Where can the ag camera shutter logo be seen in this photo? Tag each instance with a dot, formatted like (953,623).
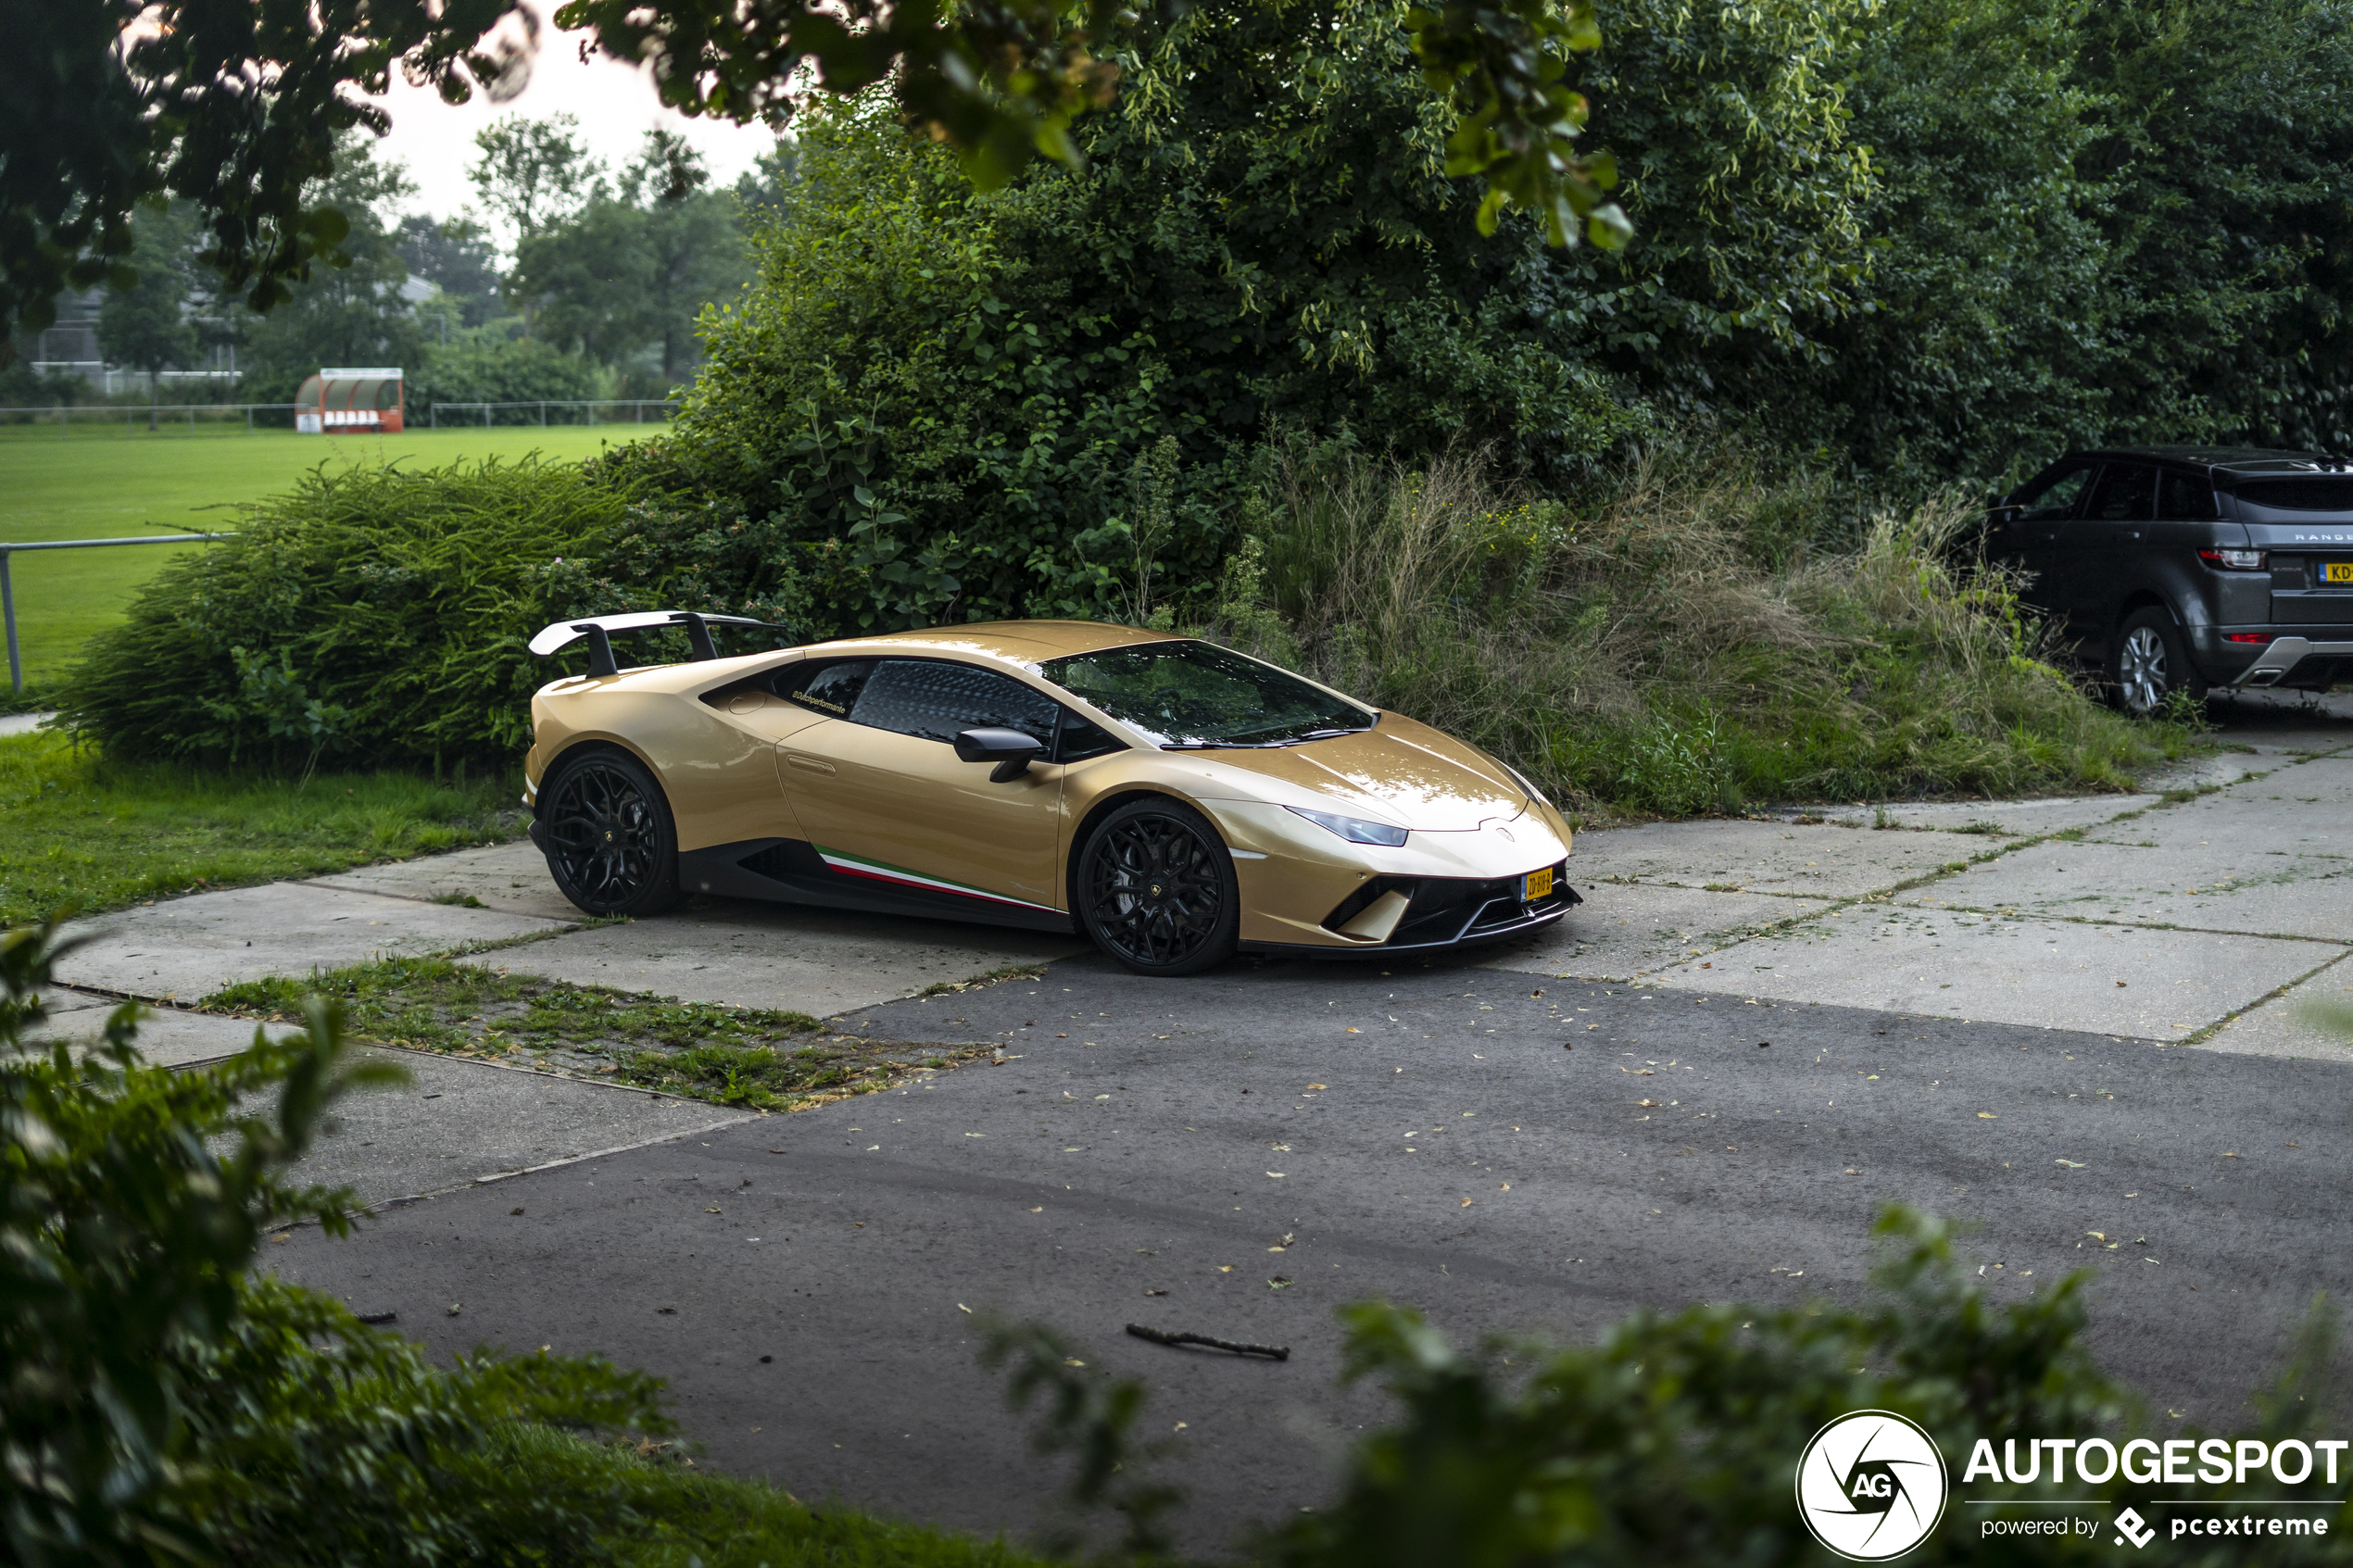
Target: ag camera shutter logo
(1871,1486)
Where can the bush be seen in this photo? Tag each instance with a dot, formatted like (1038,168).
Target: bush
(483,365)
(375,614)
(1697,634)
(156,1402)
(1674,1439)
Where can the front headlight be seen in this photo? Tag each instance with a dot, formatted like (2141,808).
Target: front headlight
(1353,829)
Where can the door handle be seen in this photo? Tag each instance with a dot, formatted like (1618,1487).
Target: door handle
(808,764)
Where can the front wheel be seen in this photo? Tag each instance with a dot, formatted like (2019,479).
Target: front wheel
(2151,666)
(1156,889)
(608,836)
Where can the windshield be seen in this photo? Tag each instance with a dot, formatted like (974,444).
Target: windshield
(1192,694)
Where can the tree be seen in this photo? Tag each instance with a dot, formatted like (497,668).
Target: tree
(768,182)
(453,255)
(237,108)
(990,366)
(351,313)
(534,173)
(148,326)
(639,263)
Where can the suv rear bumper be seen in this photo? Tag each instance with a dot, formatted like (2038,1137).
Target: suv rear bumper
(2293,660)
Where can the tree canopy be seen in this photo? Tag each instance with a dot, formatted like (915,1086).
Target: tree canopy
(237,108)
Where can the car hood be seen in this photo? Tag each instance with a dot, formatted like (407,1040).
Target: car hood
(1399,772)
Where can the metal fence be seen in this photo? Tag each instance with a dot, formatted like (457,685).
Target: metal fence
(523,412)
(87,415)
(280,416)
(9,590)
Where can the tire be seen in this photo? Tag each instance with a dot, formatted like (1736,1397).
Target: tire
(2150,664)
(608,836)
(1155,889)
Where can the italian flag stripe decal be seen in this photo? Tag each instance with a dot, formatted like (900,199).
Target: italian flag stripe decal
(881,871)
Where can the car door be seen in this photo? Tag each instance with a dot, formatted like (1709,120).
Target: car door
(2031,538)
(882,797)
(2099,548)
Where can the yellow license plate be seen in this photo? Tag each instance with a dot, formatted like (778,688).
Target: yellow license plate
(1538,884)
(2336,571)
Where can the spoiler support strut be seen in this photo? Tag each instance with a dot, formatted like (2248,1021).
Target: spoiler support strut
(599,629)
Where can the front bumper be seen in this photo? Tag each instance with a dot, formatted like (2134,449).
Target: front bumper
(2299,661)
(1409,914)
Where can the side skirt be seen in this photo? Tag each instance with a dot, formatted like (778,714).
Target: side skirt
(790,871)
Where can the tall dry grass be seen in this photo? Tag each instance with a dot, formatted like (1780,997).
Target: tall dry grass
(1699,634)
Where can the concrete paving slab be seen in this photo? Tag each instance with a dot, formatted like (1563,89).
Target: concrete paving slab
(2261,815)
(168,1036)
(2280,1028)
(2115,980)
(60,1000)
(783,956)
(455,1122)
(2324,779)
(1768,856)
(184,947)
(1620,932)
(2251,885)
(22,724)
(2008,818)
(512,877)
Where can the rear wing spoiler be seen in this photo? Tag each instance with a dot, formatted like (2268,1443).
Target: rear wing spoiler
(599,629)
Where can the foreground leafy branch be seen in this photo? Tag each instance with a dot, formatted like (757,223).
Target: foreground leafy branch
(237,108)
(159,1404)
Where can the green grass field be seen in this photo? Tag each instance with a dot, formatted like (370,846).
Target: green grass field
(106,483)
(90,835)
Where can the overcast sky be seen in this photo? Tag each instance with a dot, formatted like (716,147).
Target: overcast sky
(614,103)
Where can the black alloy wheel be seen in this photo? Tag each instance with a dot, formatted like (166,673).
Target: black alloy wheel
(609,839)
(1156,889)
(2151,666)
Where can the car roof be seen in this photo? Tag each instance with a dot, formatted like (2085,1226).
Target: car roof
(1021,642)
(2224,460)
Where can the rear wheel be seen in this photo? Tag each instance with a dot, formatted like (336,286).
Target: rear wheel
(2151,664)
(610,841)
(1156,889)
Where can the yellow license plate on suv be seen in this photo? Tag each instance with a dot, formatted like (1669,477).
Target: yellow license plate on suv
(1535,886)
(2336,571)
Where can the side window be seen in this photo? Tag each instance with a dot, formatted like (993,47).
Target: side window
(1082,738)
(2127,492)
(2184,498)
(934,701)
(2056,497)
(830,689)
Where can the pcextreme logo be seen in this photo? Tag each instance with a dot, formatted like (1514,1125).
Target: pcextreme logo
(1871,1486)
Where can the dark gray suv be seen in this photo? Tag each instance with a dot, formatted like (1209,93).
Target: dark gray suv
(2177,569)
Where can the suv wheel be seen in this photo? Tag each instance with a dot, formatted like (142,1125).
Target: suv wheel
(2151,665)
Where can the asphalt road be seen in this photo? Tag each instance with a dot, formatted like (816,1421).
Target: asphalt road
(1421,1135)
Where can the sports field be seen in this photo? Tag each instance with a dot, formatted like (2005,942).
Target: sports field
(111,484)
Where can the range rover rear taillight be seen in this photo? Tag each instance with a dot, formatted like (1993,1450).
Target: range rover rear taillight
(2233,560)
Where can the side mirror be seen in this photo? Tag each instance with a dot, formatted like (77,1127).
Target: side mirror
(1010,750)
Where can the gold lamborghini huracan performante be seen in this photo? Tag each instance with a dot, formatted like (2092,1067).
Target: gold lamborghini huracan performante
(1174,801)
